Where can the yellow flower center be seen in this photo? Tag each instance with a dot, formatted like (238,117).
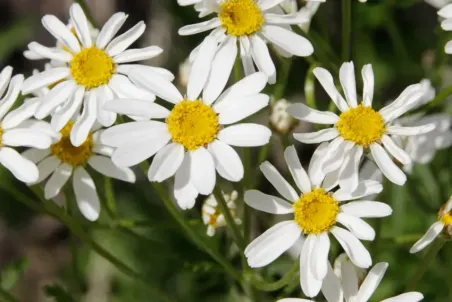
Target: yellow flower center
(447,218)
(241,17)
(362,125)
(193,124)
(67,153)
(316,211)
(1,135)
(92,67)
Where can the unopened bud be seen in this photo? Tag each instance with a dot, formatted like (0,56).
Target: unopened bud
(281,121)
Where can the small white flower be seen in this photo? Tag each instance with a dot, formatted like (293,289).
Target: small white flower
(438,3)
(350,290)
(211,213)
(359,128)
(63,160)
(446,12)
(90,72)
(197,135)
(251,25)
(317,211)
(18,130)
(281,121)
(444,221)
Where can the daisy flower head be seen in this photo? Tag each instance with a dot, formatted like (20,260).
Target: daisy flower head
(446,13)
(248,25)
(211,213)
(62,160)
(91,72)
(196,137)
(444,223)
(359,128)
(348,288)
(318,208)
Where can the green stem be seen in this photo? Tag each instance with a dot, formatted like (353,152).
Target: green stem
(396,38)
(229,219)
(7,296)
(443,95)
(88,14)
(346,29)
(428,259)
(283,77)
(238,73)
(270,287)
(110,198)
(309,87)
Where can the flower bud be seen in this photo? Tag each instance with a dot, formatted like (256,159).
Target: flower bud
(281,121)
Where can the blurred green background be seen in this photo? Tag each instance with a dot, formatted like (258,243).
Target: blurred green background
(40,259)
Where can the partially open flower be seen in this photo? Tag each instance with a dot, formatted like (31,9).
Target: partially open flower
(211,213)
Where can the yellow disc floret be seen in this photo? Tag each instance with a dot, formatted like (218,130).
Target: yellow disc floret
(67,153)
(362,125)
(1,135)
(316,211)
(193,124)
(92,67)
(241,17)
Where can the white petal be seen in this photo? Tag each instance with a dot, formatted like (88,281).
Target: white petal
(317,137)
(50,53)
(5,77)
(222,65)
(124,88)
(63,116)
(428,237)
(338,151)
(296,169)
(121,134)
(262,58)
(267,4)
(184,191)
(22,168)
(387,166)
(315,172)
(24,112)
(57,180)
(294,18)
(406,297)
(446,11)
(140,54)
(158,85)
(11,95)
(135,151)
(304,113)
(280,184)
(250,85)
(137,108)
(110,29)
(364,188)
(162,72)
(60,31)
(267,203)
(372,281)
(326,80)
(86,194)
(358,227)
(227,161)
(398,153)
(348,82)
(83,125)
(247,106)
(367,209)
(122,42)
(368,82)
(200,68)
(26,138)
(332,287)
(105,166)
(353,247)
(272,244)
(166,162)
(350,282)
(80,24)
(294,300)
(199,27)
(202,171)
(405,102)
(309,284)
(410,131)
(36,155)
(288,40)
(46,167)
(245,135)
(104,117)
(350,168)
(321,250)
(57,96)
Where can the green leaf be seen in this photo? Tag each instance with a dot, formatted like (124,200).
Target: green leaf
(58,293)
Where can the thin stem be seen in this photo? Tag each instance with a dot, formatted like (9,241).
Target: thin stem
(428,259)
(229,219)
(346,29)
(110,198)
(270,287)
(396,38)
(88,14)
(443,95)
(309,87)
(283,77)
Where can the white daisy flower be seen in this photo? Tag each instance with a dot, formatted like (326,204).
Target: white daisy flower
(352,291)
(211,213)
(444,222)
(17,130)
(196,137)
(92,72)
(251,25)
(359,128)
(317,211)
(63,160)
(446,13)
